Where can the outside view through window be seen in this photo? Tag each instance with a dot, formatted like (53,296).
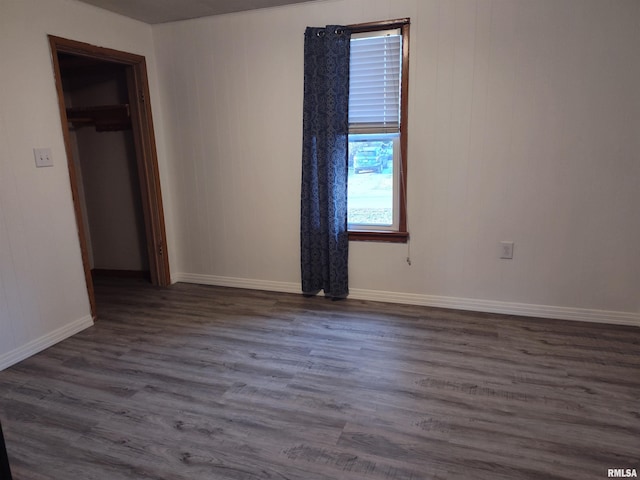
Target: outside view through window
(370,182)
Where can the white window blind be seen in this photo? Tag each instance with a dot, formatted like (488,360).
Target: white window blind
(374,82)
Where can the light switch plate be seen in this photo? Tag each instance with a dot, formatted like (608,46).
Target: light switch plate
(506,250)
(43,157)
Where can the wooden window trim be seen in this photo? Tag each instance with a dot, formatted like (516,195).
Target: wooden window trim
(402,234)
(378,236)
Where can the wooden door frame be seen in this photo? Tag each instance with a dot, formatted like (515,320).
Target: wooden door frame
(146,155)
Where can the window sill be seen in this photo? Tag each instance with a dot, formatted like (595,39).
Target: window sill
(379,236)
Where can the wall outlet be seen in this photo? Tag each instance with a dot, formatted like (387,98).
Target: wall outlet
(43,157)
(506,250)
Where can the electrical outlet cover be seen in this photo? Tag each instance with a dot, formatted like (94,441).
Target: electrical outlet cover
(506,250)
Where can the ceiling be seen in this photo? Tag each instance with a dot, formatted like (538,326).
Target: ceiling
(161,11)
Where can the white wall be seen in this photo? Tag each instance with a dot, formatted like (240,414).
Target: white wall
(113,200)
(524,125)
(42,289)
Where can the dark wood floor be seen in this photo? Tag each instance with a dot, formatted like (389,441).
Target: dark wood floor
(196,382)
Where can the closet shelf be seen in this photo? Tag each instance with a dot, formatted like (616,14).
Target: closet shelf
(105,118)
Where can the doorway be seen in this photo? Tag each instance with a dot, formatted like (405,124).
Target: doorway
(103,95)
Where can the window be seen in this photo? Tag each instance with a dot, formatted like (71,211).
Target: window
(378,88)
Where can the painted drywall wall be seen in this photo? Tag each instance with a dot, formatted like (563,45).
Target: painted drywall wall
(110,183)
(523,125)
(42,289)
(113,200)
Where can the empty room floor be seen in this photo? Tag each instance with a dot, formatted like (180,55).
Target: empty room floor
(197,382)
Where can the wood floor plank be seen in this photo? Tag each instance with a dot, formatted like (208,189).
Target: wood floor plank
(197,382)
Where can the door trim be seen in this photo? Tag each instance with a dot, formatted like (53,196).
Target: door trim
(146,155)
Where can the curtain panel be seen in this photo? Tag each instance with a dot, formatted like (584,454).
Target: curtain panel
(323,223)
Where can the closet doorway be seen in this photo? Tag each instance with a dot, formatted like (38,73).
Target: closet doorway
(103,95)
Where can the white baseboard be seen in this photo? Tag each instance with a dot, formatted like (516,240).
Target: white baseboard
(34,346)
(457,303)
(507,308)
(268,285)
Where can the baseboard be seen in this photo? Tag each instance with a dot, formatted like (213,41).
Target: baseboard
(268,285)
(456,303)
(34,346)
(506,308)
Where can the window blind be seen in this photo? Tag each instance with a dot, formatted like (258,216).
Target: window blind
(374,83)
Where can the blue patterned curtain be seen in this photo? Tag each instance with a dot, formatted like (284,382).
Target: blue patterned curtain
(323,224)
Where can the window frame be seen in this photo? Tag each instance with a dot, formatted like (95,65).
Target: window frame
(401,235)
